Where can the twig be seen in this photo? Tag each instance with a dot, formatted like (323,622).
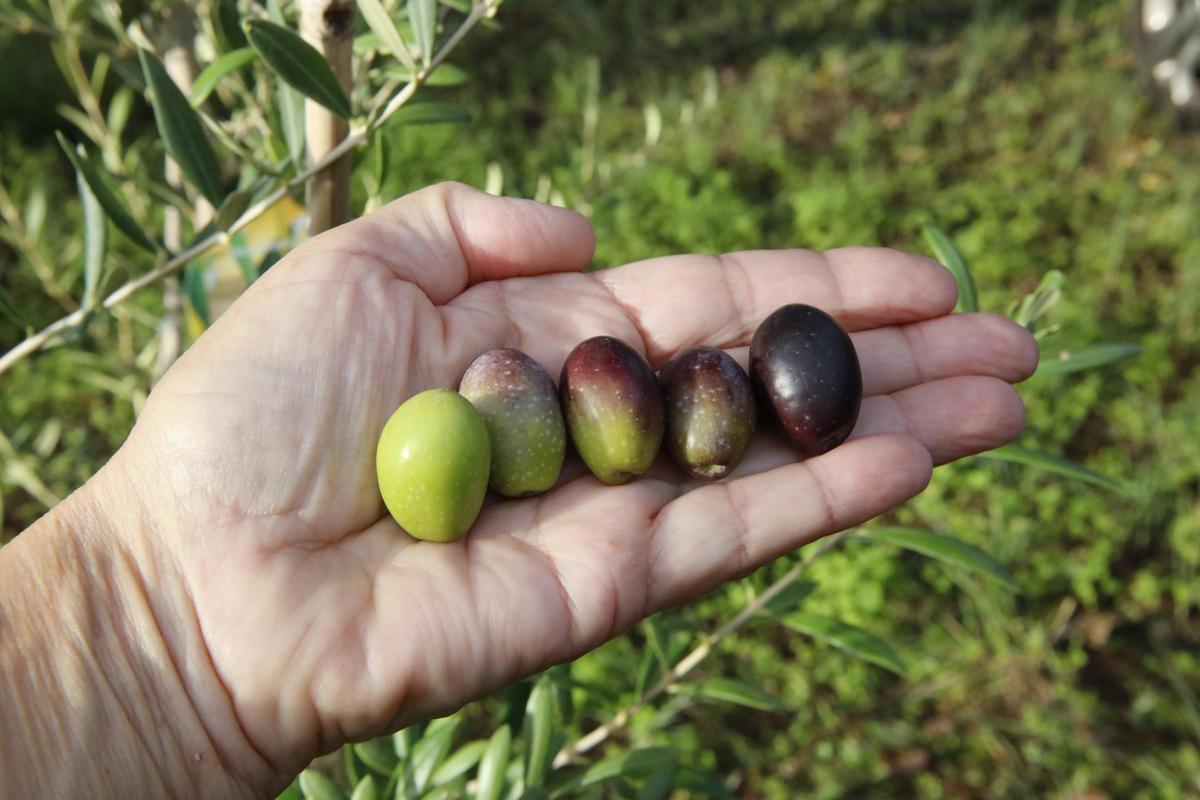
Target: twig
(357,136)
(689,662)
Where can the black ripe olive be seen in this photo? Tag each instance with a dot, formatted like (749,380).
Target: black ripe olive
(806,374)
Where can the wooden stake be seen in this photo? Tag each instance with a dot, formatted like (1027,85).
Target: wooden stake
(328,25)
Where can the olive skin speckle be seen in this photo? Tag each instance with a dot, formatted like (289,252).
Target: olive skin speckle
(519,404)
(806,374)
(613,408)
(710,412)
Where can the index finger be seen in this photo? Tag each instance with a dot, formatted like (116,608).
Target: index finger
(677,301)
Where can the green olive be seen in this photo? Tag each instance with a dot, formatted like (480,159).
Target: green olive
(432,465)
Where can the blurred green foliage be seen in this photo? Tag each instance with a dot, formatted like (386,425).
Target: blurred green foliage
(1022,130)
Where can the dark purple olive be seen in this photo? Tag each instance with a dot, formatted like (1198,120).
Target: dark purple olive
(613,408)
(710,411)
(806,374)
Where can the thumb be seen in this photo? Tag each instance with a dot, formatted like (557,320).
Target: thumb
(449,236)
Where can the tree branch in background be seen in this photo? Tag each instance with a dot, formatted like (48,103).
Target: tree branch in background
(328,25)
(357,136)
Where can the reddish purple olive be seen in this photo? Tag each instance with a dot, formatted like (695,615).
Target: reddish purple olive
(613,408)
(710,411)
(806,374)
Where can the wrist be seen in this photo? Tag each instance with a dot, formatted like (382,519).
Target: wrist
(107,687)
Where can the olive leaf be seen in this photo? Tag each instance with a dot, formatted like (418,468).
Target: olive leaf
(299,65)
(181,130)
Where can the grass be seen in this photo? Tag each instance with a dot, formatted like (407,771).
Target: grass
(1023,131)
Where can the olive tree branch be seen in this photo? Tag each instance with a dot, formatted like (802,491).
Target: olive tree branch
(357,136)
(689,662)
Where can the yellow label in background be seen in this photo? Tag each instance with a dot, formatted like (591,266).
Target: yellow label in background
(227,269)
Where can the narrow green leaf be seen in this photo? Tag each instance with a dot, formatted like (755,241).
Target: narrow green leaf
(493,765)
(234,206)
(698,782)
(461,6)
(292,792)
(423,16)
(1054,464)
(95,242)
(1088,357)
(227,23)
(299,64)
(384,27)
(365,789)
(315,786)
(377,754)
(1041,300)
(403,740)
(275,12)
(946,549)
(458,762)
(658,786)
(431,112)
(208,79)
(728,690)
(181,130)
(945,251)
(539,730)
(447,75)
(350,764)
(35,211)
(845,636)
(631,764)
(196,292)
(428,754)
(108,201)
(291,121)
(118,110)
(790,598)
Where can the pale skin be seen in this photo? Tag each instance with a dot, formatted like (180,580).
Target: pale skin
(227,597)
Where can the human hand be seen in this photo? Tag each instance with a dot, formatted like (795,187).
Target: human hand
(299,615)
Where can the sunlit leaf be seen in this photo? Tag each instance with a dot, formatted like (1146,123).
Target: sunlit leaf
(299,64)
(492,766)
(633,763)
(377,754)
(181,130)
(847,637)
(1087,357)
(365,789)
(728,690)
(422,14)
(459,762)
(947,253)
(315,786)
(430,751)
(945,549)
(208,79)
(118,111)
(95,242)
(108,200)
(539,730)
(383,26)
(1055,464)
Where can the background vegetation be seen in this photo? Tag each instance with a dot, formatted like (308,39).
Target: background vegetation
(1023,131)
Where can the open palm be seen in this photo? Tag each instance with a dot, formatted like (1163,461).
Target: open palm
(322,620)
